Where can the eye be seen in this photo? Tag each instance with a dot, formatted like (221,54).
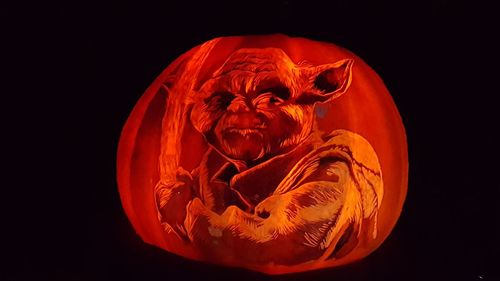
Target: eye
(268,100)
(275,100)
(219,100)
(281,92)
(272,96)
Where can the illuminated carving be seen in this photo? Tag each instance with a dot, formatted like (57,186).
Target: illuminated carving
(247,176)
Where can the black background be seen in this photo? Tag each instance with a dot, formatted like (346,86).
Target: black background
(77,69)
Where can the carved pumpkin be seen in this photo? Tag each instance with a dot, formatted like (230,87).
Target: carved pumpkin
(271,153)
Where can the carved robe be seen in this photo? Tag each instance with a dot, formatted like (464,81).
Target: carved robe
(314,201)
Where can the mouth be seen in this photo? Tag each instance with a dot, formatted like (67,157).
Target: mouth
(243,143)
(245,132)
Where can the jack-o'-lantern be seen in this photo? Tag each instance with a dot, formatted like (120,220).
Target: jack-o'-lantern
(270,153)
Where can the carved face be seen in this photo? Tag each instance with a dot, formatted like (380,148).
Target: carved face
(259,103)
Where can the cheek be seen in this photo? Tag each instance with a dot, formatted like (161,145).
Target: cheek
(219,125)
(283,126)
(204,119)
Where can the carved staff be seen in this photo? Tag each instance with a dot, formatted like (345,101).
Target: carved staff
(179,97)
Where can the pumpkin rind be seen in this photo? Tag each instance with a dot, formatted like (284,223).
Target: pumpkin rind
(366,110)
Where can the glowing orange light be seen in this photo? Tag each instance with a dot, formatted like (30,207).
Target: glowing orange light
(271,153)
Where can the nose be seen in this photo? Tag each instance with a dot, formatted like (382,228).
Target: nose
(242,114)
(245,120)
(239,105)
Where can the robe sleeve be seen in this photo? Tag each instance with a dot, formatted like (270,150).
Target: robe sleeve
(321,204)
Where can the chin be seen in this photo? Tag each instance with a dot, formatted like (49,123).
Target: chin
(243,153)
(242,144)
(244,150)
(246,156)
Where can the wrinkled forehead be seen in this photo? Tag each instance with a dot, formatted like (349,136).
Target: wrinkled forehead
(256,60)
(250,70)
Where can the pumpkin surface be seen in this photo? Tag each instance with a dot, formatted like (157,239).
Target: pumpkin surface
(271,153)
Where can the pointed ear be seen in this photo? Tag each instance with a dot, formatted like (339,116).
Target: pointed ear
(326,82)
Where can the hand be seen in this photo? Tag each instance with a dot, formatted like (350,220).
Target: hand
(172,198)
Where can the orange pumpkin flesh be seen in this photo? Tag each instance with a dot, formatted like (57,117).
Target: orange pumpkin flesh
(364,109)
